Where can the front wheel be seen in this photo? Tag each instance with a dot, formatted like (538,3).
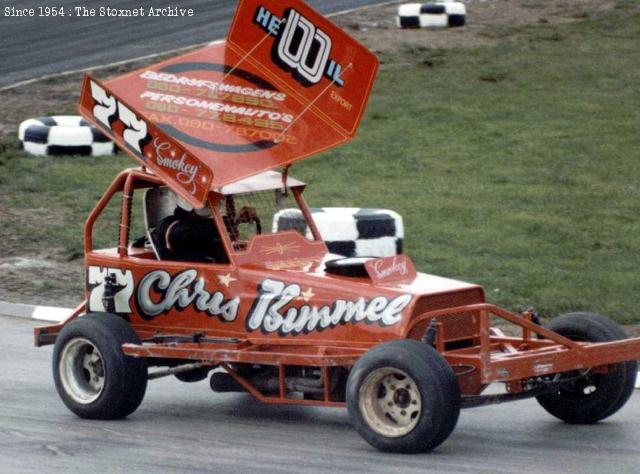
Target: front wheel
(93,377)
(590,397)
(403,397)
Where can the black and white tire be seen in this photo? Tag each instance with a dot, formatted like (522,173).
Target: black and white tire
(63,135)
(349,231)
(593,396)
(403,397)
(431,15)
(92,375)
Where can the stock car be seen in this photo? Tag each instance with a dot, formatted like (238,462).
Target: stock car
(199,283)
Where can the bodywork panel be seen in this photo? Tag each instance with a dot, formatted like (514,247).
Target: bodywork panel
(274,93)
(264,300)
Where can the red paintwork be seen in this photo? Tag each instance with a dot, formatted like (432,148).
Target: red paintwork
(223,301)
(286,257)
(298,121)
(398,268)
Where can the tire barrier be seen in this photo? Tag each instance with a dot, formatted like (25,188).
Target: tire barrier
(432,15)
(348,231)
(63,135)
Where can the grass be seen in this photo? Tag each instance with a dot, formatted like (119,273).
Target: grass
(49,198)
(515,166)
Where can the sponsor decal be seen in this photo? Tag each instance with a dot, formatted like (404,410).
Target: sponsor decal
(159,292)
(226,69)
(217,109)
(216,106)
(214,86)
(300,47)
(280,249)
(383,270)
(292,263)
(268,314)
(387,269)
(146,144)
(121,288)
(108,109)
(344,103)
(166,156)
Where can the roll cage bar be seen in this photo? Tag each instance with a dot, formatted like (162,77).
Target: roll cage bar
(138,178)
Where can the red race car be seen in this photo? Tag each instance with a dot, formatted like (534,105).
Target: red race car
(198,282)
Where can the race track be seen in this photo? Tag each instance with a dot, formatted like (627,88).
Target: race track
(32,47)
(187,428)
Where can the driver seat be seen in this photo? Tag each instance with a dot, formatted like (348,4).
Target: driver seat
(177,234)
(158,203)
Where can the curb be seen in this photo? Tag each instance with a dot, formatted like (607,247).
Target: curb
(52,314)
(55,314)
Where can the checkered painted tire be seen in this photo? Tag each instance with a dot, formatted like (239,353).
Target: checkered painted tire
(350,231)
(432,15)
(63,135)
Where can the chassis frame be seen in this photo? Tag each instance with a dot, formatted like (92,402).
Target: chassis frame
(464,349)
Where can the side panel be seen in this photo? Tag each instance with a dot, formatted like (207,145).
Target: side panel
(455,327)
(308,56)
(248,302)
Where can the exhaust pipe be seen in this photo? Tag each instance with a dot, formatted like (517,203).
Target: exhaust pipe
(222,382)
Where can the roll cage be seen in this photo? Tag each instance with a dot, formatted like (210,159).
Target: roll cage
(220,202)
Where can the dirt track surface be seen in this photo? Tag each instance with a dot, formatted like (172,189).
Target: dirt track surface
(186,428)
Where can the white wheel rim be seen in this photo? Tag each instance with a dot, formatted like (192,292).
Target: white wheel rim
(390,402)
(81,370)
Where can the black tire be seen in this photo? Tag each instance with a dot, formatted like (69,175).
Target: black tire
(351,266)
(114,384)
(612,389)
(435,382)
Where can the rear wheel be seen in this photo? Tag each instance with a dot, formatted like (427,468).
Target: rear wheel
(93,377)
(403,397)
(590,396)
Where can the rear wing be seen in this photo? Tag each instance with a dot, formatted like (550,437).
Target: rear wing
(285,85)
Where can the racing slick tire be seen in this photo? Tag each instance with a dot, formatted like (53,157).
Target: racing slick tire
(92,375)
(403,397)
(599,395)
